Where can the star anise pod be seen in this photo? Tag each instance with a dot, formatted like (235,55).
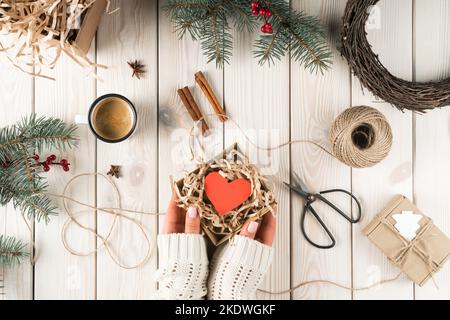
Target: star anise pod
(137,67)
(114,171)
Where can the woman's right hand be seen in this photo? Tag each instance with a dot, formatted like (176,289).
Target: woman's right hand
(262,231)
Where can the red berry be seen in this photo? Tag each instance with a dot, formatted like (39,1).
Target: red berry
(46,168)
(255,4)
(267,28)
(255,11)
(268,13)
(64,162)
(262,12)
(66,168)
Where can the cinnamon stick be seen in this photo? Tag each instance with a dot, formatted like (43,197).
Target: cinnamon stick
(209,93)
(192,107)
(186,104)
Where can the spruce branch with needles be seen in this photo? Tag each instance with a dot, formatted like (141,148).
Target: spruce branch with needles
(12,251)
(210,21)
(21,181)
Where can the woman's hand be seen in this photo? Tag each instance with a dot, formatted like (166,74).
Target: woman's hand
(180,221)
(263,231)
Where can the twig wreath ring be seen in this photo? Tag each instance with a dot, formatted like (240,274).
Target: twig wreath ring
(365,64)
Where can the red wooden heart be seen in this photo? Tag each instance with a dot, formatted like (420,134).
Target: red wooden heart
(226,196)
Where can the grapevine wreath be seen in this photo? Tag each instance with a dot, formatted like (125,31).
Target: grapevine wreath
(366,65)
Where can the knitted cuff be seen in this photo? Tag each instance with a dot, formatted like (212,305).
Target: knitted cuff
(178,247)
(250,253)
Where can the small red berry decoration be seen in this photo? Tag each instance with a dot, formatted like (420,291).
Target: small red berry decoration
(51,161)
(263,10)
(267,28)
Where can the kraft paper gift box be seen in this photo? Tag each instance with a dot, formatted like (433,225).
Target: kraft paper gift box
(89,26)
(418,258)
(82,38)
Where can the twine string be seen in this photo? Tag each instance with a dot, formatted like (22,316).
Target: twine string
(410,247)
(193,133)
(360,137)
(117,213)
(399,260)
(338,285)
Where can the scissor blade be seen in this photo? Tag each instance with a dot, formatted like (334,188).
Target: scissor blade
(303,186)
(299,182)
(297,190)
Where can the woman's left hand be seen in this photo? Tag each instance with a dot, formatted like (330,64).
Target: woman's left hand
(180,221)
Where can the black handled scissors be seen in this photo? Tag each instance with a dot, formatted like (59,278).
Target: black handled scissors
(301,189)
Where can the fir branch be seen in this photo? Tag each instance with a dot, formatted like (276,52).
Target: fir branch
(20,180)
(12,251)
(268,48)
(217,40)
(48,133)
(294,32)
(36,134)
(297,31)
(36,206)
(244,20)
(187,16)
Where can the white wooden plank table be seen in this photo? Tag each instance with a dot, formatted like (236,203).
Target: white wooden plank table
(272,105)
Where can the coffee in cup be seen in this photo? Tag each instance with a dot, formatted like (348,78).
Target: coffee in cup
(112,118)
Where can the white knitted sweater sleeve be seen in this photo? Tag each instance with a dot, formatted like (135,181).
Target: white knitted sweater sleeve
(183,267)
(238,269)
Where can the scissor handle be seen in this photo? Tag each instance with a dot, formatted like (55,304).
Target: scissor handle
(308,208)
(346,216)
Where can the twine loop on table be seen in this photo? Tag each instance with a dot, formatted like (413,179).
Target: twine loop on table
(116,212)
(361,137)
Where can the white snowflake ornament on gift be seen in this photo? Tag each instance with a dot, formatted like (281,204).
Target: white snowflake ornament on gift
(407,224)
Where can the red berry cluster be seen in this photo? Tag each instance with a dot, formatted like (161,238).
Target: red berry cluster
(258,9)
(51,161)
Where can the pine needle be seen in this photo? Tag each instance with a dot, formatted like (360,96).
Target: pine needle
(12,251)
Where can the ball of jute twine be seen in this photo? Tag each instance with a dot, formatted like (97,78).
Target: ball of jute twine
(361,137)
